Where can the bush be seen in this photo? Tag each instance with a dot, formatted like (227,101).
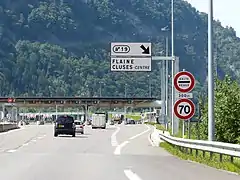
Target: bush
(214,162)
(227,112)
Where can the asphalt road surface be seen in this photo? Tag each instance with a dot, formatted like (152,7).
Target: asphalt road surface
(122,152)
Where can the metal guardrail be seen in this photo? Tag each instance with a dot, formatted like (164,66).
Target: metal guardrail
(232,150)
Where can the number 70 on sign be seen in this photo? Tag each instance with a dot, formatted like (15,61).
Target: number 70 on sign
(184,109)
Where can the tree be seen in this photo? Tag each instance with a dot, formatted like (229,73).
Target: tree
(227,112)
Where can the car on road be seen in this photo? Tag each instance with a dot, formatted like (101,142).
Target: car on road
(129,121)
(79,126)
(40,122)
(65,125)
(111,122)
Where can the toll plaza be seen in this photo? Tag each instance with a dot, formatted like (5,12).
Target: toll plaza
(82,102)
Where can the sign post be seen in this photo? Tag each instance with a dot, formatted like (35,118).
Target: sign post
(131,57)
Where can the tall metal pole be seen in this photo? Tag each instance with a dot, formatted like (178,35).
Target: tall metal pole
(173,98)
(162,70)
(149,86)
(211,121)
(56,110)
(100,89)
(125,90)
(166,78)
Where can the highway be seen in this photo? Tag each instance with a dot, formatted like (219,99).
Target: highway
(120,152)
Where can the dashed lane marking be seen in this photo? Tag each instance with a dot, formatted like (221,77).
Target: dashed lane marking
(131,175)
(25,144)
(119,147)
(12,150)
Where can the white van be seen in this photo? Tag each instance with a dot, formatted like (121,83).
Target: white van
(99,120)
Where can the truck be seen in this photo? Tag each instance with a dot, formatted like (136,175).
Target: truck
(99,120)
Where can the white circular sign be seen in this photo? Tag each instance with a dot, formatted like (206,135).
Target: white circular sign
(184,109)
(184,81)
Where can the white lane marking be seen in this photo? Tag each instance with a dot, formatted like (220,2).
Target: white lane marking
(12,150)
(25,144)
(134,137)
(12,131)
(40,137)
(119,147)
(150,140)
(114,138)
(34,140)
(131,175)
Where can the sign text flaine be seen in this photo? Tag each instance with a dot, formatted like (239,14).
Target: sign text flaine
(131,64)
(128,49)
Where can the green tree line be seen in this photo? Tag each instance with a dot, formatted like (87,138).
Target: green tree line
(58,47)
(226,112)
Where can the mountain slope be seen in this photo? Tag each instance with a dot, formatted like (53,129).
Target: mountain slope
(61,47)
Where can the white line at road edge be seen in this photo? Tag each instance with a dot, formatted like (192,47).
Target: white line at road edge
(131,175)
(12,131)
(134,137)
(11,151)
(150,139)
(114,138)
(119,147)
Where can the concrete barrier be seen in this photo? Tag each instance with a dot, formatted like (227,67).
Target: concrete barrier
(155,136)
(8,126)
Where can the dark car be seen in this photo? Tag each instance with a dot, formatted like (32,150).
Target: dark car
(64,125)
(129,121)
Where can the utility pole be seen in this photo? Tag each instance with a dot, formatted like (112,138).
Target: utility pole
(149,86)
(173,89)
(166,29)
(166,78)
(211,121)
(125,91)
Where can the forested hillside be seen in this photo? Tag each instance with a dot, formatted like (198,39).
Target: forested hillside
(61,47)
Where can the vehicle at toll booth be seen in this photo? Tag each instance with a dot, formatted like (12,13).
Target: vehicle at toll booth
(79,126)
(129,121)
(65,125)
(118,118)
(99,120)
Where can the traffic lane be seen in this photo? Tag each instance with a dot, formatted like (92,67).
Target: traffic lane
(61,167)
(131,131)
(150,162)
(142,145)
(92,141)
(14,139)
(172,168)
(65,158)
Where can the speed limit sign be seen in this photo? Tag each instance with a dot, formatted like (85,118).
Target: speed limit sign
(184,109)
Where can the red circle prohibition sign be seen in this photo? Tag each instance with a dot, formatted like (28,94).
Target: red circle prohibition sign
(190,114)
(192,81)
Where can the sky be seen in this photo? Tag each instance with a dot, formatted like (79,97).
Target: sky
(226,11)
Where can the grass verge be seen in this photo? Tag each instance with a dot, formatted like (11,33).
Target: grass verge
(226,164)
(135,117)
